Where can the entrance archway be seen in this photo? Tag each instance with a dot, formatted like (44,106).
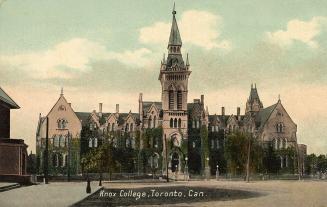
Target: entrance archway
(174,162)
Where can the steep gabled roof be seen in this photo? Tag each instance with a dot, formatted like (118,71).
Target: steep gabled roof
(6,99)
(147,105)
(83,117)
(264,114)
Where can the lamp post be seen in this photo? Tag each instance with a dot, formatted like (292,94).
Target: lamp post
(186,169)
(207,169)
(217,173)
(68,158)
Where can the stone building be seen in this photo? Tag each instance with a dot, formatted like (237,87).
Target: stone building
(169,130)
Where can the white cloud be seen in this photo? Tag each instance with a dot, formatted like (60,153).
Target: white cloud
(75,54)
(200,28)
(297,30)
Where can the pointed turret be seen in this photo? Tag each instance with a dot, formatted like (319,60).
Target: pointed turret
(253,103)
(175,37)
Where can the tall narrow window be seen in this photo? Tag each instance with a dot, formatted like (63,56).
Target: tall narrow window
(150,122)
(171,99)
(175,123)
(90,142)
(131,127)
(154,121)
(179,123)
(171,123)
(108,127)
(179,100)
(112,126)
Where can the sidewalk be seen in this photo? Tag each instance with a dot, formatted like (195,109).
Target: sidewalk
(8,186)
(53,194)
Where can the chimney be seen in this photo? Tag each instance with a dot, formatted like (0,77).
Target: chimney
(238,111)
(117,108)
(100,109)
(141,97)
(223,111)
(202,99)
(141,106)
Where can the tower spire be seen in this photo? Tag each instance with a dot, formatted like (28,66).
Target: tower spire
(187,62)
(175,37)
(62,91)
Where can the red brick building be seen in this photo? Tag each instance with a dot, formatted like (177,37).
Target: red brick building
(13,152)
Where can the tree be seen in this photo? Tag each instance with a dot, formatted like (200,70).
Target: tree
(236,153)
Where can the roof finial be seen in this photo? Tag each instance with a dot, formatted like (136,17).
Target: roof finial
(278,97)
(62,91)
(174,11)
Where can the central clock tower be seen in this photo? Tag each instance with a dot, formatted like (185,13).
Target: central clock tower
(174,75)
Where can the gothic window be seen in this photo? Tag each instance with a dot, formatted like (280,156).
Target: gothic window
(95,142)
(193,124)
(179,123)
(154,121)
(193,144)
(197,124)
(217,128)
(212,128)
(171,99)
(126,127)
(175,123)
(218,146)
(212,143)
(133,143)
(90,142)
(61,141)
(67,141)
(278,143)
(128,143)
(65,160)
(56,141)
(131,128)
(150,122)
(171,123)
(179,100)
(114,141)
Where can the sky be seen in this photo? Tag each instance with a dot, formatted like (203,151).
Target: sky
(109,51)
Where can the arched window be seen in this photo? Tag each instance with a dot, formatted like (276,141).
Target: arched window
(278,143)
(133,143)
(217,128)
(154,121)
(114,141)
(126,127)
(61,141)
(193,124)
(212,128)
(175,123)
(131,127)
(179,100)
(150,122)
(217,141)
(112,126)
(212,143)
(95,142)
(171,99)
(197,124)
(179,123)
(65,160)
(171,123)
(90,142)
(56,141)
